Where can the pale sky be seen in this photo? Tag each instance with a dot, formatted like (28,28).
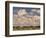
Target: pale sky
(29,11)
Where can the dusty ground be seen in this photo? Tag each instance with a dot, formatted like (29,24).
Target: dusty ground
(26,23)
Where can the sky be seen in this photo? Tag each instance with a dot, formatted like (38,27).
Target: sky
(30,11)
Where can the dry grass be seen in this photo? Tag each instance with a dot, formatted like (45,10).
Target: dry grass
(26,28)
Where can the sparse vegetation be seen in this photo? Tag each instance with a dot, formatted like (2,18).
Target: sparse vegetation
(26,28)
